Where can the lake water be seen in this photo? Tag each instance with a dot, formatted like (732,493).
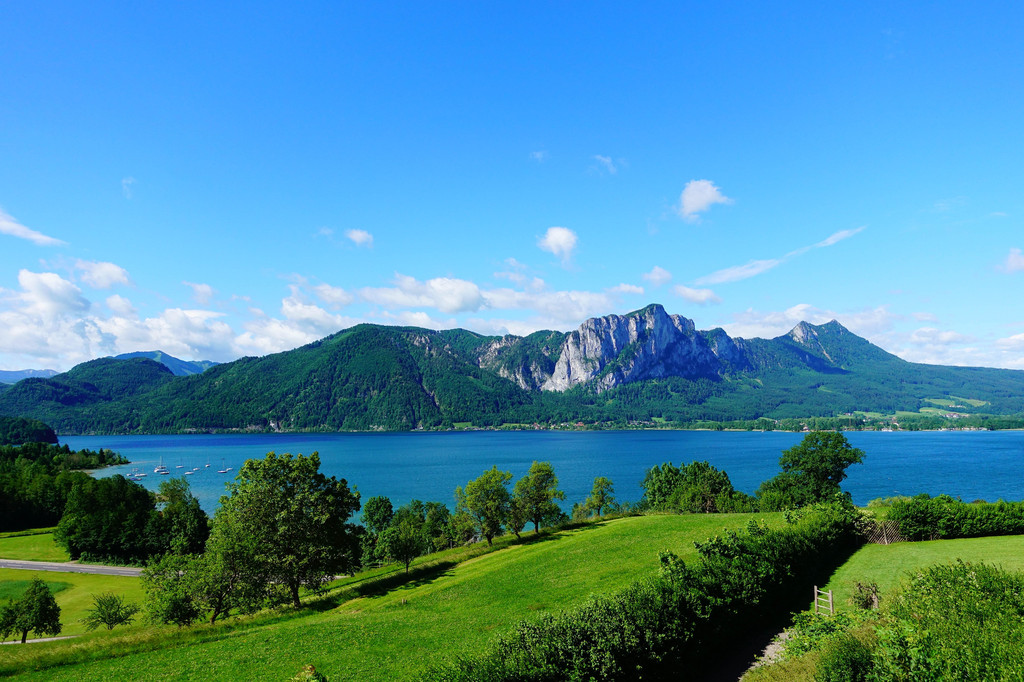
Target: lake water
(972,465)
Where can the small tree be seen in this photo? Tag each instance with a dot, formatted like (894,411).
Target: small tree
(110,610)
(600,496)
(535,493)
(486,500)
(403,541)
(36,611)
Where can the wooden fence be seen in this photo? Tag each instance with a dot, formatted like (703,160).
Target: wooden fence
(885,533)
(823,601)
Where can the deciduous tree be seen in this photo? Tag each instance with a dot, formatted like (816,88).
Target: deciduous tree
(110,610)
(293,520)
(486,499)
(535,494)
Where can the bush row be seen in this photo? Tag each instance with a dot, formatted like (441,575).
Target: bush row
(942,517)
(657,627)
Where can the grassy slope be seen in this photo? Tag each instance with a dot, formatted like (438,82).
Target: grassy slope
(32,548)
(396,635)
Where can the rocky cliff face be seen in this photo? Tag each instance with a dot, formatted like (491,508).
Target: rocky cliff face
(646,344)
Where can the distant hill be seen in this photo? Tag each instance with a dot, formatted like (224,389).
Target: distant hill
(14,376)
(642,366)
(179,368)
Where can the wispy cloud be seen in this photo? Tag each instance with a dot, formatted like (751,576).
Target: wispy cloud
(698,196)
(360,238)
(657,276)
(699,296)
(10,226)
(1014,261)
(202,293)
(626,289)
(540,156)
(736,273)
(606,163)
(127,187)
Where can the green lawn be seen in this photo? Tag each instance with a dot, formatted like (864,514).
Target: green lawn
(396,635)
(887,564)
(76,596)
(39,547)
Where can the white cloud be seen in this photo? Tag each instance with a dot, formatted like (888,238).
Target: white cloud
(869,323)
(126,187)
(935,337)
(360,237)
(202,293)
(540,156)
(838,237)
(1012,342)
(48,295)
(121,306)
(657,276)
(101,275)
(700,296)
(606,163)
(925,317)
(739,272)
(626,289)
(1014,261)
(446,294)
(12,227)
(699,196)
(411,318)
(560,241)
(516,272)
(335,297)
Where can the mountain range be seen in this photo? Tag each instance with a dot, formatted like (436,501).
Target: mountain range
(645,365)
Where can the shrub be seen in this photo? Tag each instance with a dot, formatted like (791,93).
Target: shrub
(844,659)
(656,627)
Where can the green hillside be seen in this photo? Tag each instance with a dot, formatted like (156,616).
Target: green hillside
(394,636)
(372,377)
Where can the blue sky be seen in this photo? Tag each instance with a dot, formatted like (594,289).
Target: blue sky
(239,179)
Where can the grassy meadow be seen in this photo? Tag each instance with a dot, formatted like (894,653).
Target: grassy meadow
(887,566)
(31,547)
(393,635)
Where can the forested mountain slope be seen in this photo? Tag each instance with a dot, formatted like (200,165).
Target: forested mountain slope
(616,368)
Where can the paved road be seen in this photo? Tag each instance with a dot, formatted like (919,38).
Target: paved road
(70,567)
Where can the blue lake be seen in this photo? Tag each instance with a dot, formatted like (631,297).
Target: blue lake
(428,466)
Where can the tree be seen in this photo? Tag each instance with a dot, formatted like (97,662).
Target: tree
(377,513)
(169,598)
(36,611)
(600,496)
(107,519)
(181,526)
(403,541)
(110,610)
(486,500)
(811,471)
(291,521)
(536,492)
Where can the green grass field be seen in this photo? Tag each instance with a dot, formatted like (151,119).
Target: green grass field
(397,634)
(76,596)
(37,547)
(887,565)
